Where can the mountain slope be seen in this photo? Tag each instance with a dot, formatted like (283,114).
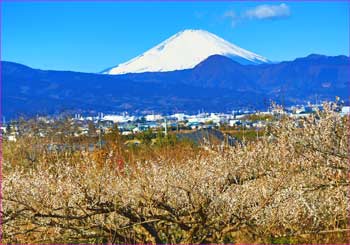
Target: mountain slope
(216,84)
(29,92)
(319,73)
(185,50)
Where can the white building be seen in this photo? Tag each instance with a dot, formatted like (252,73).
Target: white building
(153,117)
(179,116)
(234,122)
(118,118)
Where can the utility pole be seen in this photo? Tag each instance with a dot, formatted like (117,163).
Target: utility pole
(243,132)
(165,127)
(100,137)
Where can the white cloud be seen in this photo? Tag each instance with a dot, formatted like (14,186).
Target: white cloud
(260,12)
(268,12)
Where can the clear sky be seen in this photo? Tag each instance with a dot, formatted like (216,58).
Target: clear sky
(92,36)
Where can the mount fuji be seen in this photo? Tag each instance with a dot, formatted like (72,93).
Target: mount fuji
(185,50)
(193,70)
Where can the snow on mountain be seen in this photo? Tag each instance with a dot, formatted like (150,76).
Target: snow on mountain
(185,50)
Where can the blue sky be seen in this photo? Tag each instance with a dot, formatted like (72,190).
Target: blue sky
(92,36)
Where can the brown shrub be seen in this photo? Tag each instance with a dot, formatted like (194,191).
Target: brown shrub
(289,187)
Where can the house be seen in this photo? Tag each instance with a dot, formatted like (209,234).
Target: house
(138,129)
(234,122)
(193,125)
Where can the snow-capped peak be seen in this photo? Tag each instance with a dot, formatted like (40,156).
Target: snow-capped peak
(185,50)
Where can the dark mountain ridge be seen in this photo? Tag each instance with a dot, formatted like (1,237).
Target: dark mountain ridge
(216,84)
